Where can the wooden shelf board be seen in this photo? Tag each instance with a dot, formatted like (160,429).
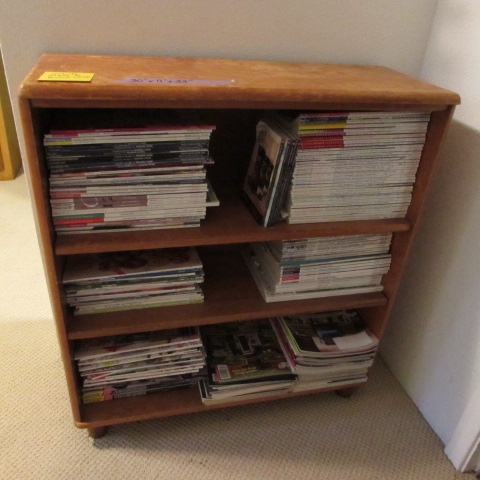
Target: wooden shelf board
(165,404)
(231,222)
(125,322)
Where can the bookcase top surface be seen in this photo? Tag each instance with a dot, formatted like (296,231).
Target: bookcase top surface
(222,83)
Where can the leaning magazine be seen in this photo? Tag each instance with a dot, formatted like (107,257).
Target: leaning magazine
(269,172)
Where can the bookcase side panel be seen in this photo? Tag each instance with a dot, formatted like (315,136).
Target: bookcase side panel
(53,265)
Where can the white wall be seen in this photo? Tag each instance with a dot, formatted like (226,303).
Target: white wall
(434,332)
(433,340)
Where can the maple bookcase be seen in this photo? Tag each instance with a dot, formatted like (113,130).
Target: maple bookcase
(233,95)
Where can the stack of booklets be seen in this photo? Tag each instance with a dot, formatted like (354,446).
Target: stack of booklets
(327,349)
(354,165)
(270,170)
(129,178)
(319,267)
(105,282)
(140,363)
(245,361)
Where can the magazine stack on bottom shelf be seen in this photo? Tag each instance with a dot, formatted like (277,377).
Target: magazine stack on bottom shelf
(354,165)
(245,361)
(267,357)
(327,349)
(137,364)
(319,267)
(149,177)
(127,280)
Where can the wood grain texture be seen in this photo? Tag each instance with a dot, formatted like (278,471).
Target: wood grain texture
(257,84)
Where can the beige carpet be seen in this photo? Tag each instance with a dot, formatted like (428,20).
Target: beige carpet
(377,434)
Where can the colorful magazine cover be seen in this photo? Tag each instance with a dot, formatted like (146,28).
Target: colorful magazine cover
(239,352)
(110,265)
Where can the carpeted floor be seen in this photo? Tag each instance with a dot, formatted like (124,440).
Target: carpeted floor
(376,434)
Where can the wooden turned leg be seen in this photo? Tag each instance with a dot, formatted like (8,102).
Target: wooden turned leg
(346,392)
(97,432)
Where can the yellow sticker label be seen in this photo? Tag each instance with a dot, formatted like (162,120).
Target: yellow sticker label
(66,77)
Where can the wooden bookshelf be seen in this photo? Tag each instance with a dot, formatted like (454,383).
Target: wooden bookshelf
(233,94)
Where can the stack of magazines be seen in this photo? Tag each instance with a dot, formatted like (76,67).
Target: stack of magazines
(105,282)
(245,361)
(319,267)
(354,165)
(150,177)
(327,349)
(141,363)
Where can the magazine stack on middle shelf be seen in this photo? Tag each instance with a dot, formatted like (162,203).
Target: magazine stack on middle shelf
(245,360)
(353,165)
(327,349)
(319,267)
(150,177)
(111,281)
(141,363)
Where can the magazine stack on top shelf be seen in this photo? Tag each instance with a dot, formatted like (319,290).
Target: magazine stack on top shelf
(245,361)
(319,267)
(149,177)
(133,279)
(354,165)
(141,363)
(327,349)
